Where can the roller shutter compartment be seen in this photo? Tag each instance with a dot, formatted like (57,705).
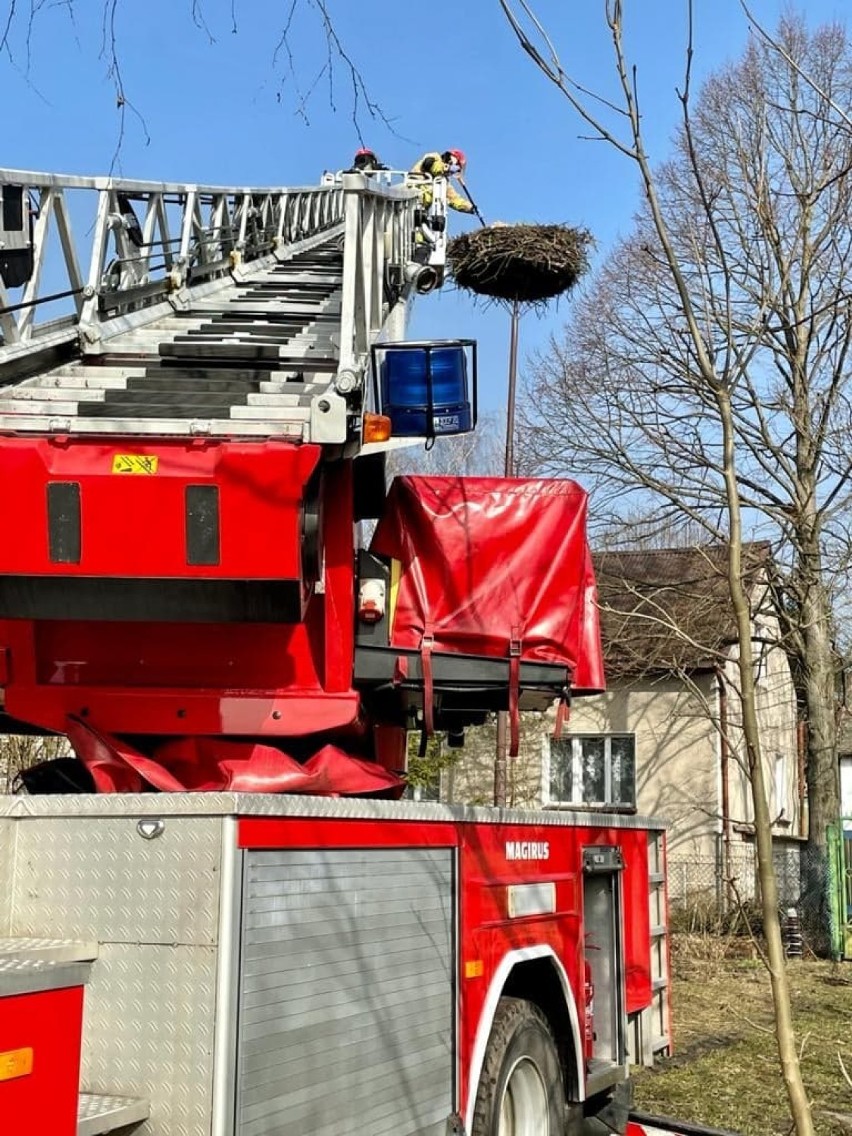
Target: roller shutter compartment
(346,1003)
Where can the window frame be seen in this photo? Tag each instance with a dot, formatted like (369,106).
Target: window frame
(575,740)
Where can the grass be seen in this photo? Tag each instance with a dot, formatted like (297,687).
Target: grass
(724,1071)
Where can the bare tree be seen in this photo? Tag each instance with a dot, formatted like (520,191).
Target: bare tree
(477,454)
(756,200)
(707,365)
(333,73)
(21,751)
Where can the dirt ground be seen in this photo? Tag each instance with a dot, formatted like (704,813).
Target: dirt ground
(724,1071)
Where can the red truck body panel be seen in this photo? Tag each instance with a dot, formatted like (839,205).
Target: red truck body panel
(44,1100)
(144,675)
(133,524)
(489,938)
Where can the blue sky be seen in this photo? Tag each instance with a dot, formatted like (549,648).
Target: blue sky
(448,73)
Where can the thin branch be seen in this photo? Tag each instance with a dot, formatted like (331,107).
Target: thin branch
(335,51)
(570,88)
(197,14)
(790,61)
(4,38)
(35,7)
(109,51)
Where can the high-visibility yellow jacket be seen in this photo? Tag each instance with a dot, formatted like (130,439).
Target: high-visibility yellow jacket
(432,165)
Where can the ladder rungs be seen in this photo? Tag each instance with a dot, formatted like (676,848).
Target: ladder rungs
(198,427)
(26,396)
(224,351)
(26,407)
(269,413)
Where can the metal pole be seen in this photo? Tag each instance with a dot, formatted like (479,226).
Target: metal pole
(509,468)
(502,750)
(476,212)
(500,760)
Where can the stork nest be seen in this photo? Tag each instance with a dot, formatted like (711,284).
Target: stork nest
(527,264)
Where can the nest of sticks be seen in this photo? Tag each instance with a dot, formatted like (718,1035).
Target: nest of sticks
(527,264)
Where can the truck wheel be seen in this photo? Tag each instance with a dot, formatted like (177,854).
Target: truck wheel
(521,1090)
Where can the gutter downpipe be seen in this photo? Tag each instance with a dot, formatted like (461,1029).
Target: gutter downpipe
(725,761)
(801,785)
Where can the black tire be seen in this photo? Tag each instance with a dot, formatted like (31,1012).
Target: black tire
(521,1087)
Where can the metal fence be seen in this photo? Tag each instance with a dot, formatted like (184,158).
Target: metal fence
(734,875)
(721,894)
(730,878)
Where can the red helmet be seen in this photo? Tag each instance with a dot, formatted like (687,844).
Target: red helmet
(365,160)
(458,157)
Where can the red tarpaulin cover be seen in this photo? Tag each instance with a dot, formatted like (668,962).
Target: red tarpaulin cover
(487,561)
(211,764)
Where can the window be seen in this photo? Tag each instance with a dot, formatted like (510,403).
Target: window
(585,769)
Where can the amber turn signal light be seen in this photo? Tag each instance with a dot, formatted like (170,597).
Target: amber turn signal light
(377,428)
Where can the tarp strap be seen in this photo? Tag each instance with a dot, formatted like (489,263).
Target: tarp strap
(426,645)
(514,694)
(563,713)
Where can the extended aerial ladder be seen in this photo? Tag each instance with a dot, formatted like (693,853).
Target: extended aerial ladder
(204,311)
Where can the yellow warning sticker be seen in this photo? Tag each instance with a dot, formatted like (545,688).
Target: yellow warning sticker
(16,1063)
(135,463)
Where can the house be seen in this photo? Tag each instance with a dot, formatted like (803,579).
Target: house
(666,738)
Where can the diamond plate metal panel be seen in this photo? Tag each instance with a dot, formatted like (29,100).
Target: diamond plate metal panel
(97,1115)
(7,872)
(80,878)
(29,976)
(148,1031)
(346,993)
(52,950)
(266,804)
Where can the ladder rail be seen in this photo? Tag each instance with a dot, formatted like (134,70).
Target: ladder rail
(157,250)
(379,232)
(175,231)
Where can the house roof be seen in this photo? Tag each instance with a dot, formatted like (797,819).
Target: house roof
(668,609)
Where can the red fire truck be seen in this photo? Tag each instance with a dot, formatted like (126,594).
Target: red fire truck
(220,918)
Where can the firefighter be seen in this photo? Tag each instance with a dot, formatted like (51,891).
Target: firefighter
(366,162)
(451,163)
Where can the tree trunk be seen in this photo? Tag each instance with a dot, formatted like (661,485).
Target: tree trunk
(822,775)
(791,1072)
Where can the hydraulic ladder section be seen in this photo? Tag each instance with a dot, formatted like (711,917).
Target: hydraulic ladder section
(254,320)
(250,361)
